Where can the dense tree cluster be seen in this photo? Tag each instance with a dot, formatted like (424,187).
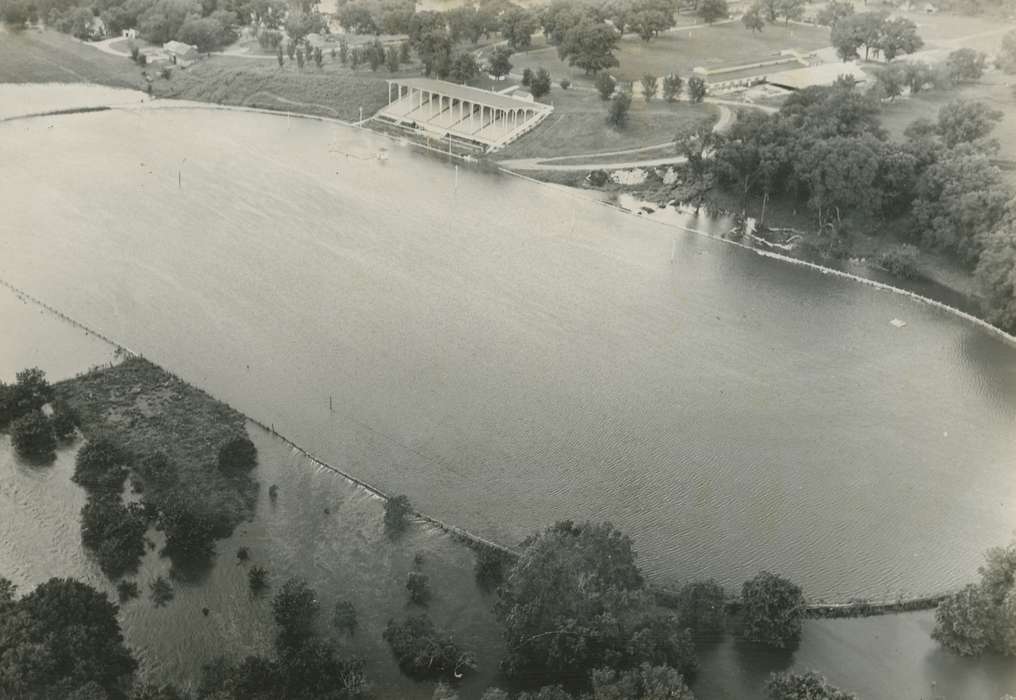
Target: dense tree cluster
(575,601)
(877,32)
(115,532)
(772,610)
(424,651)
(803,686)
(982,616)
(61,639)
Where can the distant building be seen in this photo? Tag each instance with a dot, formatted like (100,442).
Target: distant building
(129,33)
(824,74)
(180,53)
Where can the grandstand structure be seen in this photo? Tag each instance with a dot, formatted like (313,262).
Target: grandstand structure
(469,116)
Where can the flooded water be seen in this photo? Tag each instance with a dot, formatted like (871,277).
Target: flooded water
(508,355)
(343,554)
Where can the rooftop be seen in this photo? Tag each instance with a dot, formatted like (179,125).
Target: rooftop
(823,74)
(469,94)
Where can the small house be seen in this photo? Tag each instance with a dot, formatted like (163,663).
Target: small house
(180,53)
(129,33)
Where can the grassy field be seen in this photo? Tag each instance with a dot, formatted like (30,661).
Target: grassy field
(50,57)
(680,51)
(151,411)
(578,126)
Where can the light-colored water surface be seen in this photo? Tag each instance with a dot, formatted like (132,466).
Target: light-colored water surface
(508,355)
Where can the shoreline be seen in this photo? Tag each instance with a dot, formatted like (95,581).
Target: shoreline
(852,607)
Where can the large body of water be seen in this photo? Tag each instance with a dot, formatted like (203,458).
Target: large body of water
(508,355)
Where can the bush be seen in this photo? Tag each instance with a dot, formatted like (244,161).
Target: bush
(100,464)
(115,532)
(900,261)
(32,436)
(29,393)
(344,617)
(127,590)
(294,609)
(598,178)
(189,535)
(565,83)
(605,85)
(397,510)
(257,579)
(416,584)
(617,112)
(803,686)
(64,420)
(527,77)
(161,591)
(540,84)
(773,610)
(425,652)
(239,454)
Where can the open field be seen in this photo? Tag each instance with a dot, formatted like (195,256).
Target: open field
(43,57)
(728,44)
(578,126)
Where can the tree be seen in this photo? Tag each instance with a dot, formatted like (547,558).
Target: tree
(917,75)
(834,11)
(966,65)
(590,46)
(357,18)
(392,59)
(702,608)
(643,683)
(960,199)
(343,51)
(853,31)
(416,584)
(672,85)
(1006,60)
(803,686)
(518,26)
(499,65)
(397,510)
(527,76)
(464,67)
(15,15)
(205,33)
(962,121)
(753,20)
(491,565)
(300,59)
(344,617)
(238,454)
(575,601)
(61,637)
(115,533)
(295,609)
(891,80)
(279,57)
(647,18)
(300,24)
(604,85)
(32,436)
(696,88)
(650,83)
(790,10)
(695,142)
(425,652)
(540,84)
(257,579)
(29,393)
(773,610)
(965,621)
(712,10)
(898,36)
(617,110)
(100,464)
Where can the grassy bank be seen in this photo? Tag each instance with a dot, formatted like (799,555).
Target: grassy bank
(34,56)
(150,411)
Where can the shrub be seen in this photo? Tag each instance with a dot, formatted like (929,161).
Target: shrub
(115,532)
(900,261)
(598,178)
(527,76)
(242,554)
(773,609)
(32,436)
(565,83)
(29,393)
(425,652)
(294,609)
(344,617)
(397,510)
(127,590)
(617,112)
(416,584)
(64,420)
(540,84)
(161,591)
(605,85)
(803,686)
(189,534)
(100,464)
(257,579)
(239,454)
